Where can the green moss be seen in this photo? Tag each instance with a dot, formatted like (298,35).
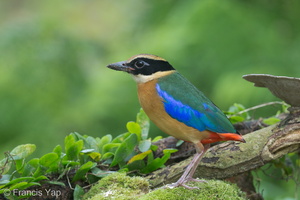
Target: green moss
(212,190)
(118,186)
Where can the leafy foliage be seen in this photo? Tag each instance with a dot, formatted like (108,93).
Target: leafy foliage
(283,171)
(238,113)
(87,159)
(234,111)
(130,151)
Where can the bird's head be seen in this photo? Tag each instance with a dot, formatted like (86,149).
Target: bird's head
(144,67)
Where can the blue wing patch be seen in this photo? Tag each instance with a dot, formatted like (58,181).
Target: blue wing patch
(209,119)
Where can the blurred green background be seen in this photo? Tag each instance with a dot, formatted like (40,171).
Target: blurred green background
(53,57)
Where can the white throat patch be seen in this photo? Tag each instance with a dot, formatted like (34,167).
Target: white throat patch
(145,78)
(142,78)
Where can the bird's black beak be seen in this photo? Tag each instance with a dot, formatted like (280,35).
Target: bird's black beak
(121,66)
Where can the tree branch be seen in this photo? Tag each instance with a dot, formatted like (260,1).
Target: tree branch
(231,158)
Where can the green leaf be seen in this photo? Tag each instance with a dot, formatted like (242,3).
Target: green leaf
(4,179)
(155,164)
(285,108)
(179,142)
(139,156)
(167,151)
(143,120)
(235,108)
(107,155)
(104,140)
(136,165)
(80,173)
(69,141)
(144,145)
(38,171)
(238,108)
(20,165)
(121,138)
(23,185)
(78,193)
(73,150)
(20,185)
(111,147)
(2,190)
(123,170)
(5,165)
(42,177)
(135,128)
(22,151)
(236,119)
(34,162)
(70,163)
(100,173)
(85,151)
(95,156)
(30,167)
(124,150)
(31,184)
(150,157)
(78,137)
(92,143)
(56,183)
(271,120)
(18,180)
(154,147)
(157,138)
(49,159)
(58,150)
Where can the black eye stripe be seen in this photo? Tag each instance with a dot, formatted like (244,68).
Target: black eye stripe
(147,66)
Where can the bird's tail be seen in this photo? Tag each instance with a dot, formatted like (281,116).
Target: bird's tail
(216,137)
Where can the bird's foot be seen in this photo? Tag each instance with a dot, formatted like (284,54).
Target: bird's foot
(174,185)
(196,180)
(183,183)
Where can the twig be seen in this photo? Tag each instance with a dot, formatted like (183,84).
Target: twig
(259,106)
(69,183)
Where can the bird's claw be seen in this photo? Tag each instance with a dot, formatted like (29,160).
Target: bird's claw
(196,180)
(183,184)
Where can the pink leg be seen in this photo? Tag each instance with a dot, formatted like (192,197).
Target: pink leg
(190,170)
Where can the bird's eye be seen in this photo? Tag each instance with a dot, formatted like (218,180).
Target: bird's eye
(139,64)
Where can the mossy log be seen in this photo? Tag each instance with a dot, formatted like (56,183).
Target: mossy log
(120,186)
(232,158)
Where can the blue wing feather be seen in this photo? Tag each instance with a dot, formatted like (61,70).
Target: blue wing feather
(191,107)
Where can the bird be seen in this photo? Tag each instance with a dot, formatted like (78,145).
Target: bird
(178,108)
